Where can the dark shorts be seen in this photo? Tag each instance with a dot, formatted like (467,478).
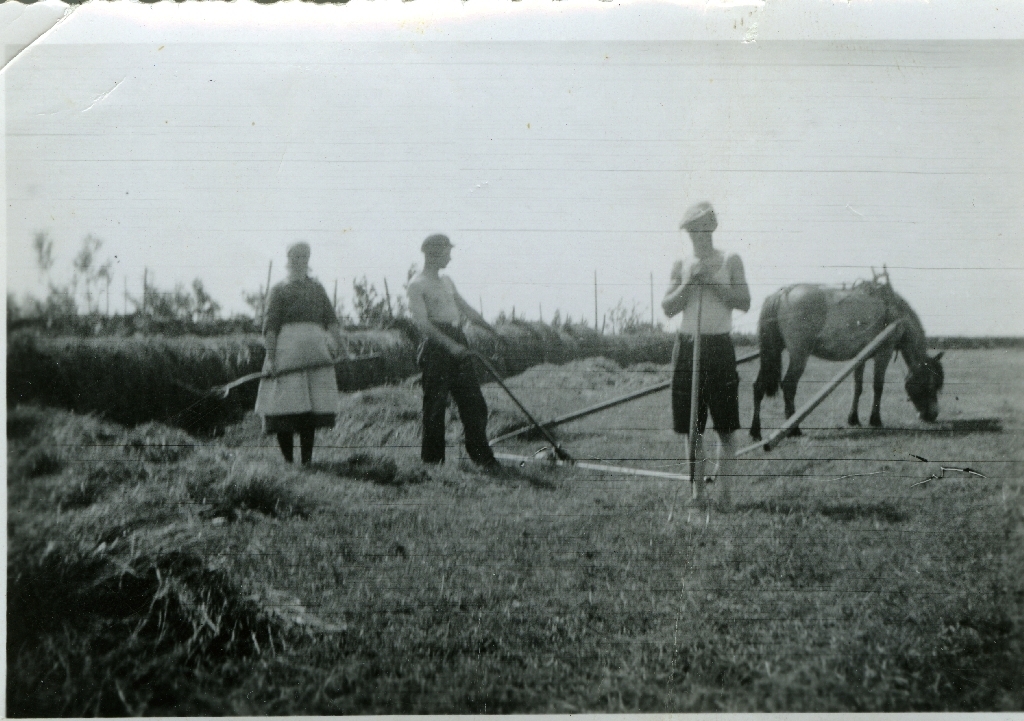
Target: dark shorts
(718,387)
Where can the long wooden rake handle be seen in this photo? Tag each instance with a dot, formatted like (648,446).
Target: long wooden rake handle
(696,481)
(224,390)
(605,405)
(589,466)
(559,451)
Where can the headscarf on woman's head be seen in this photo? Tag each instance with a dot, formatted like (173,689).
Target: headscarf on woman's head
(298,256)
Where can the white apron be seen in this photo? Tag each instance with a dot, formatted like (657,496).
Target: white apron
(312,391)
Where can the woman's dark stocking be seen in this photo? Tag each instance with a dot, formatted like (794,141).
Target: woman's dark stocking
(287,443)
(306,436)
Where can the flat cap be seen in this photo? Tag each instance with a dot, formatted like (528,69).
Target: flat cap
(436,242)
(298,253)
(699,217)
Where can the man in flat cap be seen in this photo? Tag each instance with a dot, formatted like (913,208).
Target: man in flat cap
(439,312)
(725,289)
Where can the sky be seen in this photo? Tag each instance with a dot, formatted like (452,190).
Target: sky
(549,149)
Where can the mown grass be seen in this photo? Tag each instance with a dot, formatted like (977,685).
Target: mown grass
(375,585)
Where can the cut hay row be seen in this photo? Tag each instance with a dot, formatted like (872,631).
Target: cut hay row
(140,379)
(154,613)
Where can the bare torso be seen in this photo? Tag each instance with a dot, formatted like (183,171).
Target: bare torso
(433,299)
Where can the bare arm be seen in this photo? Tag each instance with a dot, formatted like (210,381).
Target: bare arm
(678,294)
(418,308)
(735,294)
(473,317)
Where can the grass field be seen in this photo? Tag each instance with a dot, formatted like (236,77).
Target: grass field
(150,573)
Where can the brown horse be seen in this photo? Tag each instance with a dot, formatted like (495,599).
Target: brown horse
(835,324)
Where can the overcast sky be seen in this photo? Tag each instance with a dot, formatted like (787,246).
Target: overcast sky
(544,161)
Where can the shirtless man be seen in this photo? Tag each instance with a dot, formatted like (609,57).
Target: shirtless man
(725,289)
(439,312)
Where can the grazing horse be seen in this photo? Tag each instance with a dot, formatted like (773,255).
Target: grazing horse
(835,324)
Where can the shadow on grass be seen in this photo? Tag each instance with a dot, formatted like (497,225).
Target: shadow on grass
(534,477)
(884,512)
(963,426)
(871,511)
(951,428)
(378,469)
(21,422)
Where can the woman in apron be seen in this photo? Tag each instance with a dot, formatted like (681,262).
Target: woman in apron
(301,331)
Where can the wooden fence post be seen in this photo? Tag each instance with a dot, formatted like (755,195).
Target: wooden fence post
(652,300)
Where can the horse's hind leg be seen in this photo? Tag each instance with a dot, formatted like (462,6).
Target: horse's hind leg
(858,388)
(795,369)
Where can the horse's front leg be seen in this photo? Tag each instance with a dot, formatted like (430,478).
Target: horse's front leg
(794,370)
(881,363)
(858,388)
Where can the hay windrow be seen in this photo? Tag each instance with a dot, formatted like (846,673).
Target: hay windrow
(121,606)
(165,379)
(147,621)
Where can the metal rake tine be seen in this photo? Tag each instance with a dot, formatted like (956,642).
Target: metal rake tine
(963,470)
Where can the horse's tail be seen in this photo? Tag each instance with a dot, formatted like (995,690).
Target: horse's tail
(770,339)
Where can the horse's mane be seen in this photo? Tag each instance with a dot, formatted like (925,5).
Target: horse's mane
(901,309)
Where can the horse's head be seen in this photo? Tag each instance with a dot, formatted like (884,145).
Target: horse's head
(923,385)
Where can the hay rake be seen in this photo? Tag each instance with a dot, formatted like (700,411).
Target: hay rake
(222,391)
(557,455)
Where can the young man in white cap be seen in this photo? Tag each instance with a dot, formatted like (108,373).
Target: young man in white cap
(724,289)
(439,312)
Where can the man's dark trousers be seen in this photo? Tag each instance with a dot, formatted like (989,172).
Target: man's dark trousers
(444,374)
